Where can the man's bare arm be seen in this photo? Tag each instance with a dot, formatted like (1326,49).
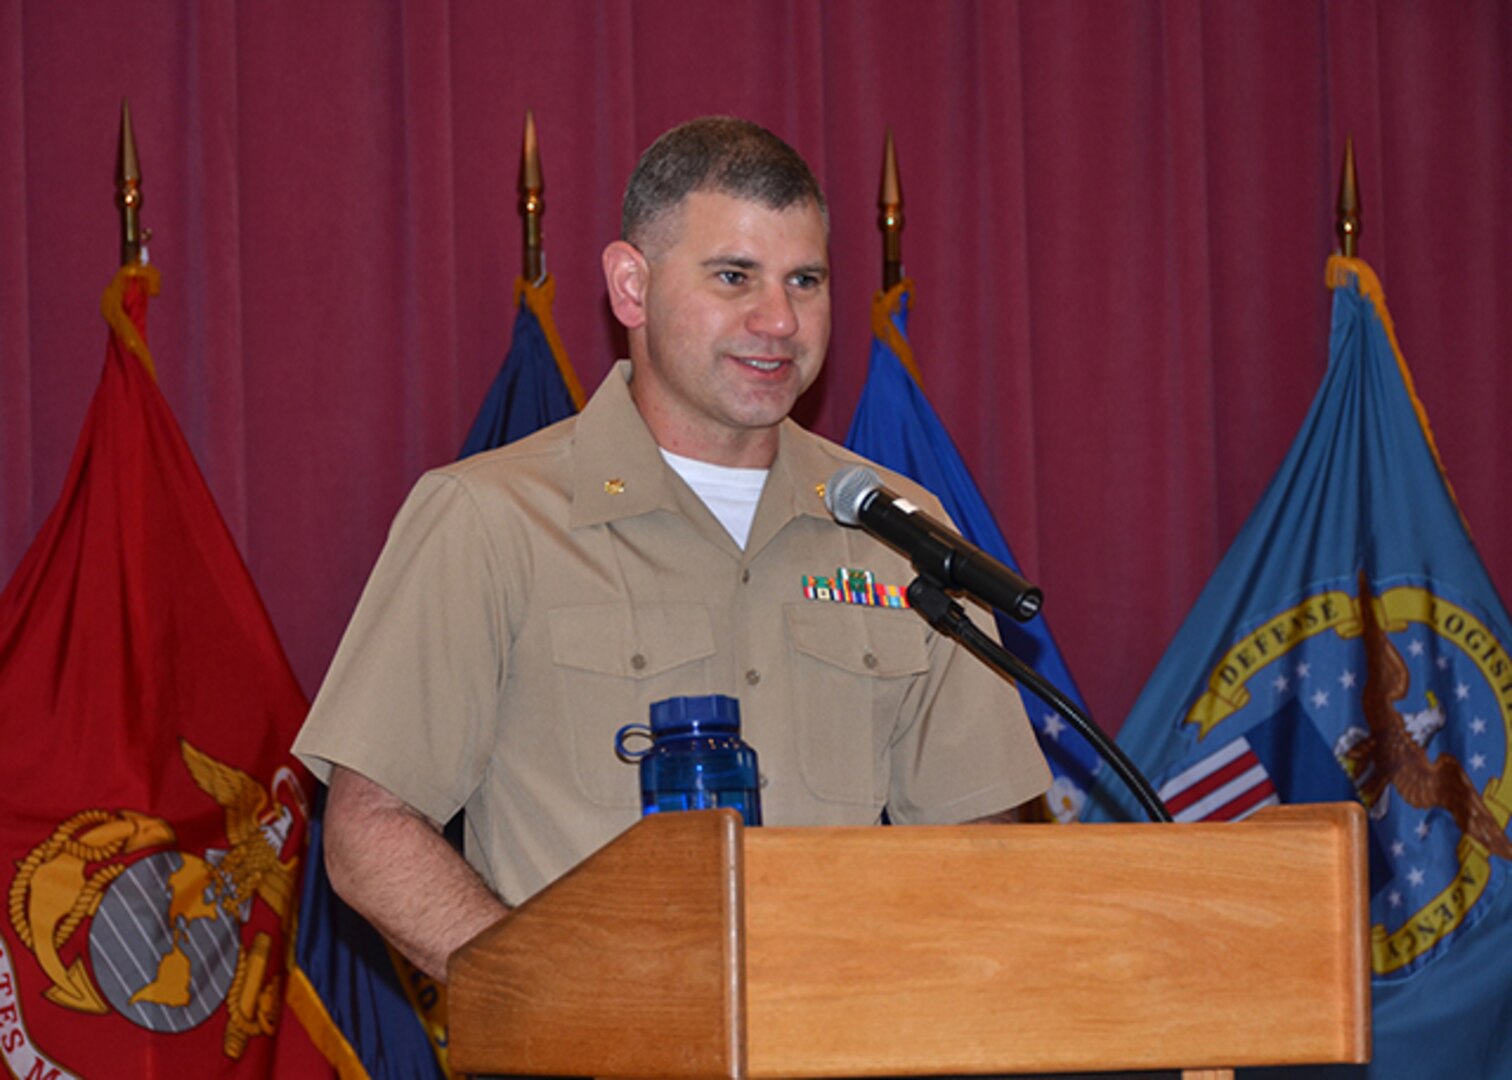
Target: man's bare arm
(391,863)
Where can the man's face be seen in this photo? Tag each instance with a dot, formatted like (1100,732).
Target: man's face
(737,321)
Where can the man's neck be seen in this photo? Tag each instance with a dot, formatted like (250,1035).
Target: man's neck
(750,453)
(751,448)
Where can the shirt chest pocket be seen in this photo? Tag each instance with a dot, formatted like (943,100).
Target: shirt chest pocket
(611,662)
(857,678)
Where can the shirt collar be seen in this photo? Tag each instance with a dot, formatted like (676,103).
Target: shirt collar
(804,465)
(618,472)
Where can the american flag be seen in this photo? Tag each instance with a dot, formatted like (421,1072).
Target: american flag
(1228,785)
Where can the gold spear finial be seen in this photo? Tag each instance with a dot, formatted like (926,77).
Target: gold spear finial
(532,202)
(1348,223)
(890,216)
(129,191)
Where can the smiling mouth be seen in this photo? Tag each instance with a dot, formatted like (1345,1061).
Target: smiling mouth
(762,365)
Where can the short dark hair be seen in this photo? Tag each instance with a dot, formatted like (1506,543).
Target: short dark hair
(721,154)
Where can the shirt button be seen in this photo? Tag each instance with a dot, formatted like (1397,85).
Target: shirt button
(870,660)
(745,576)
(753,676)
(638,662)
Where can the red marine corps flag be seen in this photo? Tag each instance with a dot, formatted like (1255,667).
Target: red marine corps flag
(151,818)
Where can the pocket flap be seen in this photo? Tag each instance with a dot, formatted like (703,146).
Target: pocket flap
(864,641)
(613,639)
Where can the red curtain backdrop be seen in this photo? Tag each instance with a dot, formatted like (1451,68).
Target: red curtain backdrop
(1117,215)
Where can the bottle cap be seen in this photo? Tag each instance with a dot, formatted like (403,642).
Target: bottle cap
(680,714)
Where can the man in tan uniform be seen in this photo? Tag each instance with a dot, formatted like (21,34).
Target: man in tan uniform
(532,600)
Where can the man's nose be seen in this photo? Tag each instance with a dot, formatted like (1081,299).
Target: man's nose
(773,314)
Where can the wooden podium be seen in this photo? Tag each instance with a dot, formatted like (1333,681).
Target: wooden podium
(692,947)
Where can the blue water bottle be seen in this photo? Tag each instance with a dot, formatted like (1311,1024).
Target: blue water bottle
(696,760)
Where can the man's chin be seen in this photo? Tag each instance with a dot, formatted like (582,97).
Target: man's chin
(766,412)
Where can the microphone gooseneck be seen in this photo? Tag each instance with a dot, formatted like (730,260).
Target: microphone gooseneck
(944,560)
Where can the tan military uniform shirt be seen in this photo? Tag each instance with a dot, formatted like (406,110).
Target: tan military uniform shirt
(532,600)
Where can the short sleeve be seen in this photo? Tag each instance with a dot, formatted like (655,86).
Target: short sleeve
(969,749)
(410,700)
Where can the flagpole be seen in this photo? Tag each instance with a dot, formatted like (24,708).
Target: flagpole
(532,202)
(129,192)
(1347,224)
(890,216)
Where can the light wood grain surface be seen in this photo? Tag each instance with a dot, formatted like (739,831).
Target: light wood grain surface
(692,948)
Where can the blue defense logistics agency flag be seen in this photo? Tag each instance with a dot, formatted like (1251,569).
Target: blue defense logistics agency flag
(1351,645)
(375,1014)
(896,426)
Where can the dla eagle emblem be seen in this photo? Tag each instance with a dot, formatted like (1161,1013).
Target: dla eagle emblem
(164,931)
(1410,694)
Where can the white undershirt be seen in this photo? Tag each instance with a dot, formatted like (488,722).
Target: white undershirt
(730,494)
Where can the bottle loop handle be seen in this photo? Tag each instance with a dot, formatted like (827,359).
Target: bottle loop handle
(630,731)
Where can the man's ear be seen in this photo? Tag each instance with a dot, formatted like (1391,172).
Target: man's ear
(626,275)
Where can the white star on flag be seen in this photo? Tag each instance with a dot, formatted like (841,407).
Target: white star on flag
(1477,761)
(1422,829)
(1347,680)
(1304,669)
(1478,725)
(1320,699)
(1416,648)
(1053,726)
(1461,692)
(1415,876)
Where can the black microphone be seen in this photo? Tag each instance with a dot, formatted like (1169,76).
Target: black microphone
(855,496)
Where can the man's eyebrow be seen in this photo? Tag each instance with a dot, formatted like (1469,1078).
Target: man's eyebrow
(737,262)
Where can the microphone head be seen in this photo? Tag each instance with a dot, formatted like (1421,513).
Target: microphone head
(847,490)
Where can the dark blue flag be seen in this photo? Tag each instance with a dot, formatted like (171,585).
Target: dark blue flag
(896,427)
(376,1016)
(1351,645)
(372,1013)
(536,385)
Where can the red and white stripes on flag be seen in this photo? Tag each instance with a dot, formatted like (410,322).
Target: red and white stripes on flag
(1226,786)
